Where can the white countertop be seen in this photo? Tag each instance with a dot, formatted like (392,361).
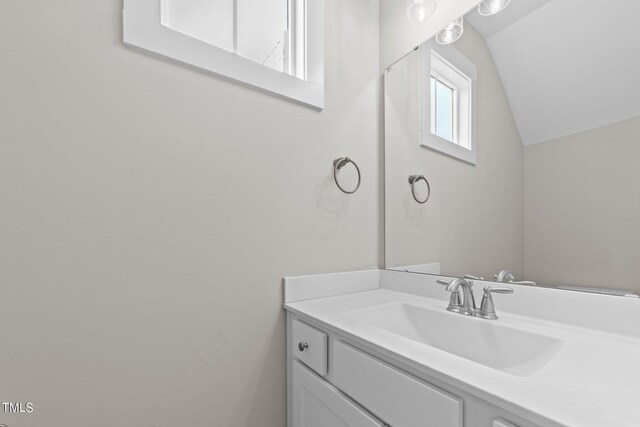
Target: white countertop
(594,380)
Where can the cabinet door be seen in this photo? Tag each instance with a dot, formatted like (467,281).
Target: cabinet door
(316,403)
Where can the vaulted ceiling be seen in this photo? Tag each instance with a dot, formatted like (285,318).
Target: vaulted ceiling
(567,66)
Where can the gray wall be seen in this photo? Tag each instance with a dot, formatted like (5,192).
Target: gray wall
(474,222)
(150,211)
(582,212)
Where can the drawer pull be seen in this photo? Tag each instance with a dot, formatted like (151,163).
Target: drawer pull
(309,345)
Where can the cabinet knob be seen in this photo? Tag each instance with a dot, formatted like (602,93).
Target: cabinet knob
(302,346)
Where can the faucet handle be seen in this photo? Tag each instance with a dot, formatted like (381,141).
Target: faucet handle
(497,290)
(468,276)
(487,309)
(524,282)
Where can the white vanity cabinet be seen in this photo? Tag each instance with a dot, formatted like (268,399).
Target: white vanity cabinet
(335,382)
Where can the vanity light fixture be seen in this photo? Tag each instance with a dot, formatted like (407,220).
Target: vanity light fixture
(419,10)
(491,7)
(451,32)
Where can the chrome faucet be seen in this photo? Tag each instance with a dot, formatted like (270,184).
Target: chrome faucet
(505,276)
(467,304)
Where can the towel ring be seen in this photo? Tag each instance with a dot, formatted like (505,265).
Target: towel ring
(412,180)
(339,164)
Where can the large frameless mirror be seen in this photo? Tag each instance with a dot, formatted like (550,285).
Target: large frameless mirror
(526,126)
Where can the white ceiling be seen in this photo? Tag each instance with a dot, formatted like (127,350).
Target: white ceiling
(566,65)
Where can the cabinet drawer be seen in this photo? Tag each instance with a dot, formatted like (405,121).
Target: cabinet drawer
(397,398)
(309,345)
(316,403)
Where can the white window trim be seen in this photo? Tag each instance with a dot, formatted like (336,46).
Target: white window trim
(427,139)
(143,29)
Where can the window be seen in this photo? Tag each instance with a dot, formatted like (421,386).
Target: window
(276,45)
(447,95)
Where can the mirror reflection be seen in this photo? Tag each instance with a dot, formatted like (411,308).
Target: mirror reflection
(526,126)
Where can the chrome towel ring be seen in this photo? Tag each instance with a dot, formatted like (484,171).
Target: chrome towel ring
(339,164)
(413,179)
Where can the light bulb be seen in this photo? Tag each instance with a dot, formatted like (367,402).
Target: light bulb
(419,10)
(451,32)
(491,7)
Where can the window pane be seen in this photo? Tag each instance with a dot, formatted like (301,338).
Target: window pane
(207,20)
(444,111)
(257,29)
(262,27)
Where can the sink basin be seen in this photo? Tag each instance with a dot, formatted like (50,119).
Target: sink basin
(487,342)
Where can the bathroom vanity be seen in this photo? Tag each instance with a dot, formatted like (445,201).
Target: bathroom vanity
(378,347)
